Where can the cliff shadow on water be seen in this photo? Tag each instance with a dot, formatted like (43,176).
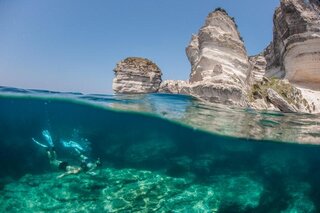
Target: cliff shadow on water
(121,139)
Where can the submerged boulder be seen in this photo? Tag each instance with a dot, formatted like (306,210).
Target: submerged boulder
(135,75)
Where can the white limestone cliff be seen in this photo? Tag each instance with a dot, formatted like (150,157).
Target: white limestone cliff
(294,53)
(174,87)
(257,70)
(219,62)
(222,72)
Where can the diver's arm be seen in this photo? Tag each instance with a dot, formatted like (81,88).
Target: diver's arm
(91,169)
(64,174)
(95,165)
(73,170)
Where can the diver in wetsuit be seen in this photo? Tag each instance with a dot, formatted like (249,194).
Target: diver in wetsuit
(63,165)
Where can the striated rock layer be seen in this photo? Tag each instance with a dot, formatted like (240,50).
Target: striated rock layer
(217,52)
(222,72)
(219,61)
(293,56)
(294,53)
(136,75)
(258,68)
(174,87)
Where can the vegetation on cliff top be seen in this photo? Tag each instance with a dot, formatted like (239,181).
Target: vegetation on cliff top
(141,64)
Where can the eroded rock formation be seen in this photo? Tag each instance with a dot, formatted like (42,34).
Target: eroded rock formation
(294,53)
(219,63)
(136,75)
(217,53)
(222,72)
(174,87)
(294,56)
(258,68)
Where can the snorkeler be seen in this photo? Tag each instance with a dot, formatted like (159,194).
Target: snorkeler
(63,165)
(86,165)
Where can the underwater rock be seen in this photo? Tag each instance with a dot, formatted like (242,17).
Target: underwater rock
(179,166)
(135,75)
(282,162)
(299,199)
(129,190)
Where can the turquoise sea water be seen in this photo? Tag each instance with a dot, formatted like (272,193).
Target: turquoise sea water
(160,153)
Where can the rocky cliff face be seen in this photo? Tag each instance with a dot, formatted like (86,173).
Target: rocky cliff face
(174,87)
(257,70)
(136,75)
(222,72)
(294,53)
(219,62)
(216,53)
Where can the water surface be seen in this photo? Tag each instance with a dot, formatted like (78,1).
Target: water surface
(168,152)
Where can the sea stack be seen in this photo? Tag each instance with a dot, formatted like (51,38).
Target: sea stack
(135,75)
(219,62)
(217,53)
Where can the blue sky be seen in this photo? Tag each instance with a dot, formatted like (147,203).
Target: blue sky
(74,45)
